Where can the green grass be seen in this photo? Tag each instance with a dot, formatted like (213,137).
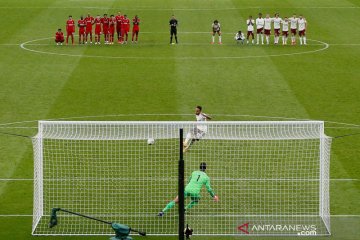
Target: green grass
(320,85)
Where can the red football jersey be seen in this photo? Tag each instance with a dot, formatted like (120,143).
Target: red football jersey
(105,22)
(89,22)
(59,36)
(112,26)
(125,23)
(81,24)
(136,21)
(97,23)
(70,25)
(119,18)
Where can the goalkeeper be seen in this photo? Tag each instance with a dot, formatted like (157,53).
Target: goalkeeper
(192,190)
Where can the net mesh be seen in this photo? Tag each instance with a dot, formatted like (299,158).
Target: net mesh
(271,177)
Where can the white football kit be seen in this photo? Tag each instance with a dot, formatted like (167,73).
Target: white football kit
(260,22)
(267,24)
(277,22)
(250,24)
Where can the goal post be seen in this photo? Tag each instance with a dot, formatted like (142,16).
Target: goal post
(272,177)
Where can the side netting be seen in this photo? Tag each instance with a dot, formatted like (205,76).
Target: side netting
(272,178)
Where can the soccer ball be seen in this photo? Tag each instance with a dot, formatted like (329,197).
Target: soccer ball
(150,141)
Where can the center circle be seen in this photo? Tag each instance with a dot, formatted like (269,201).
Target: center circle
(37,42)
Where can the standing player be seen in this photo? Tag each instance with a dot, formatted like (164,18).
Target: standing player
(89,22)
(97,23)
(267,27)
(173,28)
(250,29)
(302,28)
(105,26)
(112,22)
(59,37)
(199,131)
(216,29)
(277,22)
(285,30)
(192,189)
(119,19)
(293,27)
(125,28)
(260,22)
(81,25)
(70,29)
(136,29)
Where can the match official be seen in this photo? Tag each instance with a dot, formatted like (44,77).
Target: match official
(173,29)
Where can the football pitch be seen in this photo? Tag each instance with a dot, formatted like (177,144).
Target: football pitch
(152,80)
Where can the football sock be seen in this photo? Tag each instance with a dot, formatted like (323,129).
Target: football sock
(169,206)
(219,39)
(262,39)
(300,40)
(191,204)
(257,39)
(171,39)
(304,39)
(176,39)
(213,38)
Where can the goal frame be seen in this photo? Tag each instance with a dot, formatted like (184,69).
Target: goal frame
(324,162)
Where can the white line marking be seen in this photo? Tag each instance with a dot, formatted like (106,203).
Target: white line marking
(182,9)
(182,44)
(23,46)
(166,179)
(176,114)
(16,179)
(16,215)
(222,215)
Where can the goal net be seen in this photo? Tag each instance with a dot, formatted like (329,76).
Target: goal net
(272,178)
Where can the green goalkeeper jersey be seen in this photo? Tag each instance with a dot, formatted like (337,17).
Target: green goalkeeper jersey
(196,181)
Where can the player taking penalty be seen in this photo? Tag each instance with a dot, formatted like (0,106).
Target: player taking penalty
(192,190)
(199,131)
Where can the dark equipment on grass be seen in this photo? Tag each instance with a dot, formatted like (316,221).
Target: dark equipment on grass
(188,231)
(121,231)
